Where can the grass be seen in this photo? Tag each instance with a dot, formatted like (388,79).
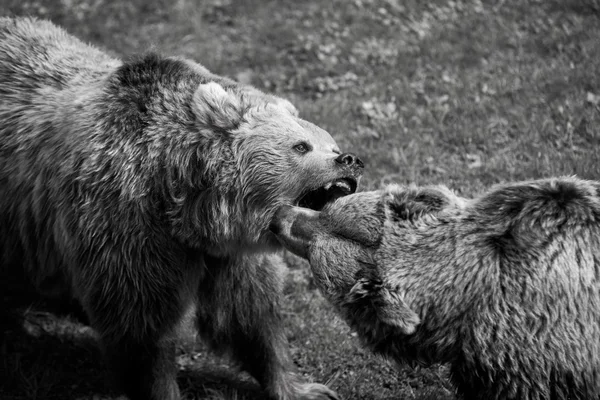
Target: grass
(467,93)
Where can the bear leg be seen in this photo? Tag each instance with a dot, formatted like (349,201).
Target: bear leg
(238,311)
(137,321)
(144,370)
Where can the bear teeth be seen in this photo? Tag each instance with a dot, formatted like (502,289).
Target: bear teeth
(316,199)
(344,185)
(340,184)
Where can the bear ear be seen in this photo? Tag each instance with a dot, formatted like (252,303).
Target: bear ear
(217,107)
(252,93)
(411,203)
(389,306)
(285,104)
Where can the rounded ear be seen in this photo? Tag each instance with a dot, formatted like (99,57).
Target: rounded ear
(217,107)
(388,306)
(411,203)
(252,92)
(284,104)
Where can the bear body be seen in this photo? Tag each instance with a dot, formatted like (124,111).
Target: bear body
(504,287)
(144,189)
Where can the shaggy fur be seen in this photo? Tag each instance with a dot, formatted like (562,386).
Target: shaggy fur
(145,188)
(504,287)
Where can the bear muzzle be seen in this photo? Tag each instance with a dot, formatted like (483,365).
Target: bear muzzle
(295,227)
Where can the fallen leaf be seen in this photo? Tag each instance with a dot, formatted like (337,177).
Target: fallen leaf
(473,161)
(593,98)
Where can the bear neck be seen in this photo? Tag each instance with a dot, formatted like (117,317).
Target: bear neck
(442,285)
(140,116)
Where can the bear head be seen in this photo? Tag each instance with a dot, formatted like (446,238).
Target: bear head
(251,154)
(347,245)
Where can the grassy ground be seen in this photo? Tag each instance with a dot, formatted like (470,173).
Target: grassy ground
(467,93)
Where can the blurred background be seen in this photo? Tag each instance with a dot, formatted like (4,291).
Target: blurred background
(466,93)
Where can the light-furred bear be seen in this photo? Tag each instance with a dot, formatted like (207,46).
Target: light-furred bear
(145,188)
(504,287)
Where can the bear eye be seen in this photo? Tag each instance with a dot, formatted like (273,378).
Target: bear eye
(302,148)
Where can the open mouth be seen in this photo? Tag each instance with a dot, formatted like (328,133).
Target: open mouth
(318,198)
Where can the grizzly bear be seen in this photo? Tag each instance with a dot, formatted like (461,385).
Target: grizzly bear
(504,287)
(145,189)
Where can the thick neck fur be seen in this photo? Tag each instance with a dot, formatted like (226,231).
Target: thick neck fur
(430,269)
(199,161)
(131,124)
(141,133)
(469,273)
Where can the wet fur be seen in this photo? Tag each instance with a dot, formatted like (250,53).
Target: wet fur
(144,188)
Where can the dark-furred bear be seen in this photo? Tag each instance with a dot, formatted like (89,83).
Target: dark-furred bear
(144,189)
(504,287)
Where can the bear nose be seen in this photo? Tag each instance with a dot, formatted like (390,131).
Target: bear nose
(349,160)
